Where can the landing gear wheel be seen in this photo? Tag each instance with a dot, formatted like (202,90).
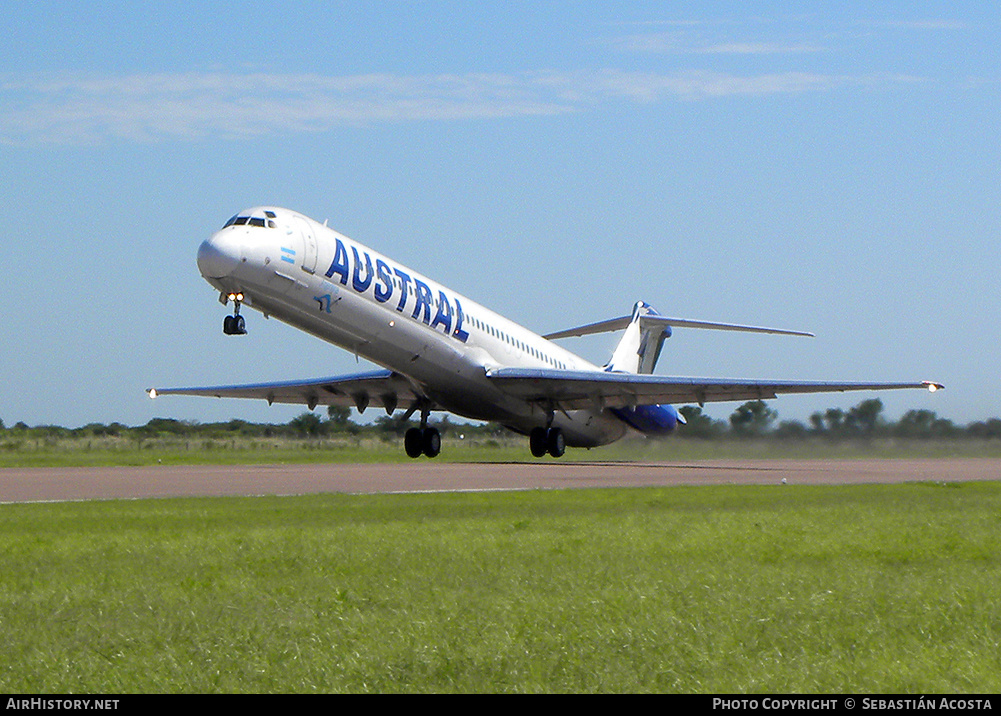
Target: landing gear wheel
(537,442)
(234,326)
(432,442)
(419,442)
(555,442)
(413,442)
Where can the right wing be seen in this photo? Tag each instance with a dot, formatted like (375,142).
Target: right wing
(574,390)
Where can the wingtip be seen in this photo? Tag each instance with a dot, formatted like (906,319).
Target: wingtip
(932,387)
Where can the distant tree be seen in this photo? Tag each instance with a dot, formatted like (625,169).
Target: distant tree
(752,418)
(791,429)
(987,430)
(698,424)
(158,426)
(864,418)
(339,419)
(391,426)
(834,421)
(924,424)
(307,425)
(239,426)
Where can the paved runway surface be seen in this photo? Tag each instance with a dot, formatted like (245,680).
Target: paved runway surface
(90,483)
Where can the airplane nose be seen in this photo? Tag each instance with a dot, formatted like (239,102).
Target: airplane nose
(219,255)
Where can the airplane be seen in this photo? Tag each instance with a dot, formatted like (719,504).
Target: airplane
(441,351)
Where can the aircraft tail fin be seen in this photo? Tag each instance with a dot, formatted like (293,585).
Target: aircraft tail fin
(645,332)
(641,343)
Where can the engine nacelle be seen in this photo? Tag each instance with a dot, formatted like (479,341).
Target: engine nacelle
(650,419)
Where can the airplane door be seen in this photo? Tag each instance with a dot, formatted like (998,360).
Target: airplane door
(309,242)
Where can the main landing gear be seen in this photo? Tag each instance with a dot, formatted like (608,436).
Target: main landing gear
(422,440)
(234,325)
(547,440)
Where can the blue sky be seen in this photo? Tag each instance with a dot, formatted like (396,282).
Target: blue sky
(831,168)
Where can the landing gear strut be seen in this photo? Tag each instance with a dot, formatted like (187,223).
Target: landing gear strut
(422,440)
(234,325)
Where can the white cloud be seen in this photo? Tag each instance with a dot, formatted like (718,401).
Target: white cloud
(71,109)
(673,42)
(928,24)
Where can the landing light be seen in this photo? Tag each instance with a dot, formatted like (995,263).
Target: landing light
(152,393)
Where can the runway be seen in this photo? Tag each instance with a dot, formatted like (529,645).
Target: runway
(105,483)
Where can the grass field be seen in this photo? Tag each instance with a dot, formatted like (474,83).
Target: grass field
(112,451)
(728,589)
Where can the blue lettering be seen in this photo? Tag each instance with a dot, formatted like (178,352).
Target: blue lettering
(444,316)
(448,319)
(423,295)
(458,332)
(405,283)
(360,285)
(384,287)
(340,264)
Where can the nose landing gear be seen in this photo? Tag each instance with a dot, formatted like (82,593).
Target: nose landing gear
(234,325)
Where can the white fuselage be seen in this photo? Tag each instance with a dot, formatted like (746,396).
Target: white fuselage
(311,277)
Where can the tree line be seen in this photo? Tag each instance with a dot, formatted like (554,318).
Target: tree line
(865,420)
(753,419)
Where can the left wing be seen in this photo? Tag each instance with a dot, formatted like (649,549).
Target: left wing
(381,388)
(578,390)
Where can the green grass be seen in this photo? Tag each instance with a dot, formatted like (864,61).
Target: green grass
(118,451)
(866,589)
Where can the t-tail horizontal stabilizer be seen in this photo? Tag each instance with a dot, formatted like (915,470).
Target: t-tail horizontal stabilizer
(640,346)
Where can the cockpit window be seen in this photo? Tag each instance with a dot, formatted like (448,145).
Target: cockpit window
(253,221)
(270,214)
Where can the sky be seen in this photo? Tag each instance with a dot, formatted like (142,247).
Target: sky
(832,167)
